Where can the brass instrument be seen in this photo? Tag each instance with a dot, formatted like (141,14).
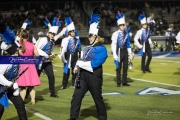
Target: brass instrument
(51,57)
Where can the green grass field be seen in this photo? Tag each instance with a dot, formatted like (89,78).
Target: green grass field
(127,105)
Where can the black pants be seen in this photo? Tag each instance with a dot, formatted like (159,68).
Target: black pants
(48,68)
(66,76)
(18,103)
(145,64)
(92,83)
(122,64)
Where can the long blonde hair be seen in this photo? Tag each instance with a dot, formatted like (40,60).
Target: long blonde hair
(23,35)
(100,39)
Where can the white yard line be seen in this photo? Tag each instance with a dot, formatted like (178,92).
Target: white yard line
(146,81)
(35,113)
(38,114)
(140,79)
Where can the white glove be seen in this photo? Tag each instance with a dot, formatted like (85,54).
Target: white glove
(115,57)
(63,58)
(16,92)
(16,89)
(15,86)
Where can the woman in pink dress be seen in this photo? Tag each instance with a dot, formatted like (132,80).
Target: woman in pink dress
(30,78)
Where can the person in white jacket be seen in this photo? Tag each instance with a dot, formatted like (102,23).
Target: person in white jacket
(143,41)
(70,52)
(45,47)
(9,89)
(121,49)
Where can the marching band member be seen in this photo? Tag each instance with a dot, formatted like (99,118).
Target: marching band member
(8,72)
(144,45)
(46,45)
(91,70)
(121,48)
(62,33)
(70,52)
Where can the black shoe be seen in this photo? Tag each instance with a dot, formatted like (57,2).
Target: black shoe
(54,95)
(148,70)
(126,84)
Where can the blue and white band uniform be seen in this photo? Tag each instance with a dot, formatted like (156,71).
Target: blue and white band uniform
(93,57)
(43,46)
(69,44)
(143,38)
(7,73)
(119,41)
(48,48)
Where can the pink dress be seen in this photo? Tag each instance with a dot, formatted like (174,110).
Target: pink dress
(30,77)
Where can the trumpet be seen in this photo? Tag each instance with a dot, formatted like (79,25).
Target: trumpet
(51,57)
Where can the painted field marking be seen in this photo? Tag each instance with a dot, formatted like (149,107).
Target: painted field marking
(38,114)
(35,113)
(108,94)
(138,78)
(146,81)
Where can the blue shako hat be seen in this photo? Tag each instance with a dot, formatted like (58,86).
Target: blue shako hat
(47,23)
(142,18)
(69,24)
(120,17)
(94,21)
(8,42)
(56,23)
(26,22)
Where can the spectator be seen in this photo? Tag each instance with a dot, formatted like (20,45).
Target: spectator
(170,38)
(30,79)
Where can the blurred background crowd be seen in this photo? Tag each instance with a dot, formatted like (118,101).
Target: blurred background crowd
(165,12)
